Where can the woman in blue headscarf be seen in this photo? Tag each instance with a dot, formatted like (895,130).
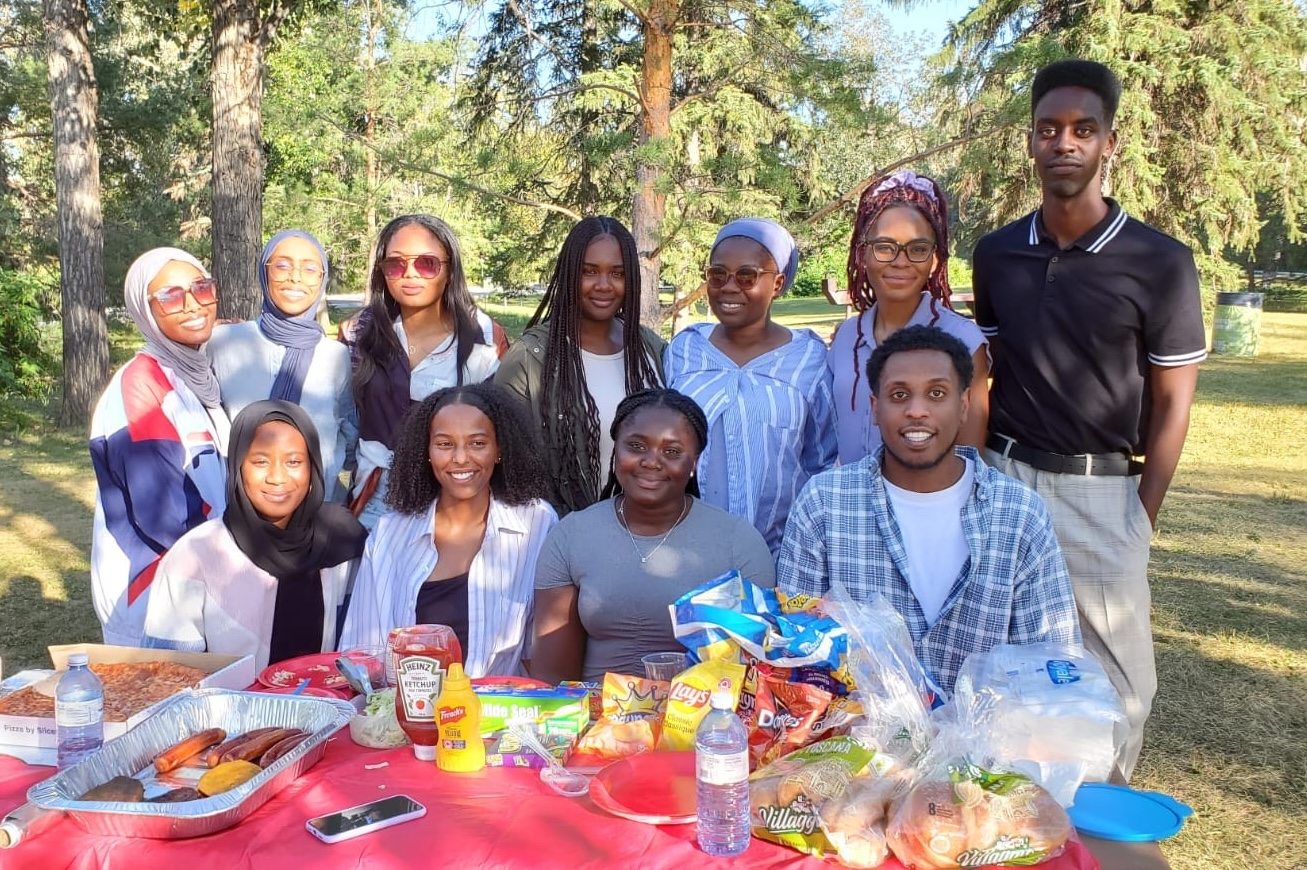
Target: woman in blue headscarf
(285,354)
(765,388)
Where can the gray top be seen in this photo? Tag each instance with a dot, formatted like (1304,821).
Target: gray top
(623,603)
(246,364)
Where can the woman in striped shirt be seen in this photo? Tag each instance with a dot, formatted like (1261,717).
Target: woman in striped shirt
(765,389)
(459,547)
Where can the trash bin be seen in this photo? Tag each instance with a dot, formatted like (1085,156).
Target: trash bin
(1237,326)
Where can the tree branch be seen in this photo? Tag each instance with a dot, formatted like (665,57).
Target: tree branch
(641,15)
(579,89)
(535,37)
(272,22)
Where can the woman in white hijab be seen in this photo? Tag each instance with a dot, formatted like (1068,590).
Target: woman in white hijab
(157,438)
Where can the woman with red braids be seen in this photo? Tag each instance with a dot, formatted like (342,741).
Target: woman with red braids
(898,276)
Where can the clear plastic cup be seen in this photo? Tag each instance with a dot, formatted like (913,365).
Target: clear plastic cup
(373,659)
(663,666)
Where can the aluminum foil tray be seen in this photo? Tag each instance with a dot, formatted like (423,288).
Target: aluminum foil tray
(185,714)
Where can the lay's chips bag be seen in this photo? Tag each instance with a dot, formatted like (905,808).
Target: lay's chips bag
(688,702)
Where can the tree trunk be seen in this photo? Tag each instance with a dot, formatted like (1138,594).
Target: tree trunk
(73,106)
(237,82)
(655,128)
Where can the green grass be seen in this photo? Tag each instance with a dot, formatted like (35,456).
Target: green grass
(1228,734)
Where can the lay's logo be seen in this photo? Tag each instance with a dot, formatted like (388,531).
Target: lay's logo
(690,695)
(452,714)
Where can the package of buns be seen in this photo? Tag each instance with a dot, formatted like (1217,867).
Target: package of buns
(962,815)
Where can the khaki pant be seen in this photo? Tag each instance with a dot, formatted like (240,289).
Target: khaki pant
(1104,533)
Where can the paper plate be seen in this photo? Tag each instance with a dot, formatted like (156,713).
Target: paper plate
(1116,812)
(657,788)
(318,668)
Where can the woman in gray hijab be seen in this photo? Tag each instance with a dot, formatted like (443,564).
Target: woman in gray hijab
(158,437)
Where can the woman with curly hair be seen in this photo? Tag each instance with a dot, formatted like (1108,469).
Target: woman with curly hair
(898,276)
(572,364)
(608,573)
(420,332)
(469,517)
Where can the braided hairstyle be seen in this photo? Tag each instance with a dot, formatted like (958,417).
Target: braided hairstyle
(660,397)
(564,395)
(375,343)
(904,188)
(518,478)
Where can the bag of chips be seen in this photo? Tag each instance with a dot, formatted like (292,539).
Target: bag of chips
(784,715)
(631,723)
(688,702)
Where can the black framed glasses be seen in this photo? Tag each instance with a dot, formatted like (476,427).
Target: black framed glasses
(745,276)
(172,300)
(425,265)
(282,269)
(887,250)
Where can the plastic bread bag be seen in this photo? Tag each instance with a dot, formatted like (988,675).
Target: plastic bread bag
(1048,710)
(892,687)
(960,814)
(828,800)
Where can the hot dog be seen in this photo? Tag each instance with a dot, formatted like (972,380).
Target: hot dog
(214,756)
(281,748)
(173,757)
(256,746)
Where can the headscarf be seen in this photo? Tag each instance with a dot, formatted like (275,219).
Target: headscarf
(190,364)
(772,236)
(299,334)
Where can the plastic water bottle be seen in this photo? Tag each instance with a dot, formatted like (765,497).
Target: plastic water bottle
(721,755)
(78,712)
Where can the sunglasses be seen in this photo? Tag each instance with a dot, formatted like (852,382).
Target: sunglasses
(425,265)
(172,300)
(282,270)
(745,276)
(885,251)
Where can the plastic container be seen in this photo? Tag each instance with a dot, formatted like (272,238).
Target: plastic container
(78,712)
(458,710)
(1237,324)
(721,748)
(419,658)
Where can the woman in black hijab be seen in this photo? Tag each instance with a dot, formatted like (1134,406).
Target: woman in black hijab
(271,576)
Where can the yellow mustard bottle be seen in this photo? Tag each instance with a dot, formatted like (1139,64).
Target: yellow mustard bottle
(458,711)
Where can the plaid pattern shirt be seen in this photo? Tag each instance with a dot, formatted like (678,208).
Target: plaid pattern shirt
(1014,587)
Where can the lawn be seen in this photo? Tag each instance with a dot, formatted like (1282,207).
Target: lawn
(1229,729)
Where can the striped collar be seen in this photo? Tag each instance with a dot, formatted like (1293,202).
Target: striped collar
(501,518)
(1094,240)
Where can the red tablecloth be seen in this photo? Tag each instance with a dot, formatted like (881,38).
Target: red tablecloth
(498,818)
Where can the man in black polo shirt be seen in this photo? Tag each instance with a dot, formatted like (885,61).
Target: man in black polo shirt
(1096,330)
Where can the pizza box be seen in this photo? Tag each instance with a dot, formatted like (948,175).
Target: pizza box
(32,738)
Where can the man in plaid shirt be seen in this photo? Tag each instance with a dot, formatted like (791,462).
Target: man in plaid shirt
(966,554)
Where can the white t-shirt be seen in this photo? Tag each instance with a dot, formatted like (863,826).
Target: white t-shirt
(605,378)
(933,538)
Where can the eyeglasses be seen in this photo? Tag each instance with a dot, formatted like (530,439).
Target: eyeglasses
(745,276)
(885,251)
(426,266)
(172,300)
(283,269)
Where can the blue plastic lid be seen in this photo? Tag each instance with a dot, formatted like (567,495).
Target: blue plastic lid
(1117,812)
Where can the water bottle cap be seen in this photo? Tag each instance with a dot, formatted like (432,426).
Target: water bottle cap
(723,700)
(78,660)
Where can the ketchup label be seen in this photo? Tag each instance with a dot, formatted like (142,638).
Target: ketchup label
(419,679)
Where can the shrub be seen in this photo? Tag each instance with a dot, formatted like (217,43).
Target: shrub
(26,367)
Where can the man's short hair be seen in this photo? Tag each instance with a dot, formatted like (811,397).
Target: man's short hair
(1087,74)
(920,338)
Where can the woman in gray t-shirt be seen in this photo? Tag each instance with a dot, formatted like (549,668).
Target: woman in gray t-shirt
(607,574)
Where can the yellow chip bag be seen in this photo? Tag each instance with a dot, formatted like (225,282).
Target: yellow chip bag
(688,702)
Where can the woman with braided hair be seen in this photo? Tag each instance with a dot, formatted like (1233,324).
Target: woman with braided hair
(898,276)
(572,365)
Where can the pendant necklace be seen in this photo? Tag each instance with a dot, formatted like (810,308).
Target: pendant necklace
(621,514)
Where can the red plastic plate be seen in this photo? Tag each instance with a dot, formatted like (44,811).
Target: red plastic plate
(657,788)
(318,668)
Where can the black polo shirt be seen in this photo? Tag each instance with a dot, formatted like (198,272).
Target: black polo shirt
(1078,329)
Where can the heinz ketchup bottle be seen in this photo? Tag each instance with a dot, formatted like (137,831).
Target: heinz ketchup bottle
(420,657)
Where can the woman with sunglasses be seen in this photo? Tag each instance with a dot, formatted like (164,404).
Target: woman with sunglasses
(898,276)
(765,388)
(419,333)
(572,365)
(286,355)
(158,436)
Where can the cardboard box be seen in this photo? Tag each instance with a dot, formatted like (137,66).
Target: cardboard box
(37,733)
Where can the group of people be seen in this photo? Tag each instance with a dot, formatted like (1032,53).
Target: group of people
(266,488)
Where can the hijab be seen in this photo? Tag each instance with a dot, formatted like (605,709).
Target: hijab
(190,364)
(772,236)
(300,333)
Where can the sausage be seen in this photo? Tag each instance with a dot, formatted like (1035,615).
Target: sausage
(281,748)
(173,757)
(214,756)
(257,745)
(177,795)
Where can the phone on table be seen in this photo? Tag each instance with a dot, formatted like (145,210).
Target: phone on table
(356,821)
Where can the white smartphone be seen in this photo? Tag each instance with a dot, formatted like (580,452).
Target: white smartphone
(356,821)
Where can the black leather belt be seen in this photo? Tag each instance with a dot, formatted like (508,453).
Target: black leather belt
(1084,464)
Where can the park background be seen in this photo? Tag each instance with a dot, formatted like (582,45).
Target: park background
(211,124)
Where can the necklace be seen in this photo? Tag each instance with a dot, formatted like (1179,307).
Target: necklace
(645,557)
